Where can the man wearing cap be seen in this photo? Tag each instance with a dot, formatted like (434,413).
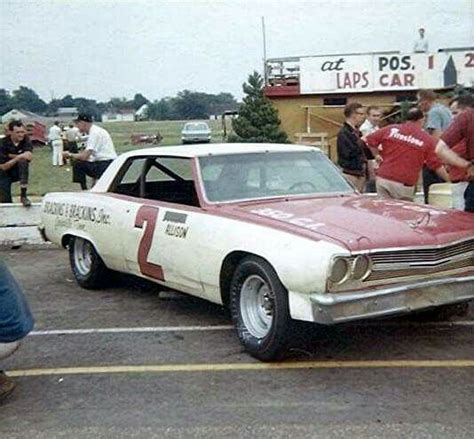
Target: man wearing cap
(97,155)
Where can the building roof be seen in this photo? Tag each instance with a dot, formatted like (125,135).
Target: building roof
(124,111)
(66,110)
(20,114)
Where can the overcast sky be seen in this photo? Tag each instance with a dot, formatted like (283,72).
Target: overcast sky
(111,48)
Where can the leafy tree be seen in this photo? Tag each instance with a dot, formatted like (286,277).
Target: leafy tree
(190,105)
(54,104)
(119,104)
(217,104)
(186,105)
(139,100)
(160,110)
(258,120)
(89,106)
(25,98)
(5,101)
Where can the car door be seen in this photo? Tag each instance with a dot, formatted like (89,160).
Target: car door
(156,229)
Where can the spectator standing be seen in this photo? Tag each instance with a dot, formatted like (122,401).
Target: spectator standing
(73,136)
(54,136)
(16,322)
(15,157)
(438,118)
(97,155)
(457,106)
(421,44)
(462,129)
(352,157)
(405,148)
(370,125)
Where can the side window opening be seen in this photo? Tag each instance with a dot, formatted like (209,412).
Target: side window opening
(167,179)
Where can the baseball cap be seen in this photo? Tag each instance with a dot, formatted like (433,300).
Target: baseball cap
(83,117)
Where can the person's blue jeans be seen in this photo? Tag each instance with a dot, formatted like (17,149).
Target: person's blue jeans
(16,320)
(19,172)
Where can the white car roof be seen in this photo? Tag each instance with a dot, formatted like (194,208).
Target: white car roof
(194,151)
(217,149)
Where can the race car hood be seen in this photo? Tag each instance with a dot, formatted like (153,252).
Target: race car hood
(361,222)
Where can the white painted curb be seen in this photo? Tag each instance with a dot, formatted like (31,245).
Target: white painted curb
(19,225)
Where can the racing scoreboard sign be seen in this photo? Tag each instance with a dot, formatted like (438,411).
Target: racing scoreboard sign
(384,72)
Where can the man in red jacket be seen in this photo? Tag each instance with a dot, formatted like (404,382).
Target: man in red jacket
(461,129)
(405,149)
(457,106)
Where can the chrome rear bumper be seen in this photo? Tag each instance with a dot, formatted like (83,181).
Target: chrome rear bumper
(342,307)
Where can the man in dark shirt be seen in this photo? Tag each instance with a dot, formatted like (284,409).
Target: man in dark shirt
(351,151)
(15,157)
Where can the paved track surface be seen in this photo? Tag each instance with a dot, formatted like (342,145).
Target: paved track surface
(129,362)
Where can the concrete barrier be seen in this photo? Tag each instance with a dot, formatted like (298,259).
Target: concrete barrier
(19,225)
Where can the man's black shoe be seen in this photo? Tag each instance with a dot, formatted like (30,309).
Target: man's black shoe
(25,201)
(7,385)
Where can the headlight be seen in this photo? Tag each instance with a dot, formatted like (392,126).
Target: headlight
(361,267)
(340,270)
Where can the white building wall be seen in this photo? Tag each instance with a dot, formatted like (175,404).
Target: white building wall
(117,117)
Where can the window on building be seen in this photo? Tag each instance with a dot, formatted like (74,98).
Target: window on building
(409,97)
(331,102)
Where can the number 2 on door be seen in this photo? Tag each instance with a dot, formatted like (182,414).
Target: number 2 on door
(149,215)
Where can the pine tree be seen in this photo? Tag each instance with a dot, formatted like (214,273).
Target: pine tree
(258,120)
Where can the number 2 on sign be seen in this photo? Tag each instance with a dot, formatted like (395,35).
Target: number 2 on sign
(148,215)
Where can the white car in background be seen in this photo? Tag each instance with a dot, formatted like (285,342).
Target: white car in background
(274,232)
(195,132)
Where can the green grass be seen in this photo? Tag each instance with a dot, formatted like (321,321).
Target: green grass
(44,177)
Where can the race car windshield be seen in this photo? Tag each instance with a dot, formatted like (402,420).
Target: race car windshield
(270,174)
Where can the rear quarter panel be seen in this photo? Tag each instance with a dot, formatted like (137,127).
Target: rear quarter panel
(89,216)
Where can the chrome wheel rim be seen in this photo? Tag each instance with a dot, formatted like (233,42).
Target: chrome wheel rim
(257,305)
(82,256)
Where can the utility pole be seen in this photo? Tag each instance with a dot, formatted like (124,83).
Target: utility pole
(264,52)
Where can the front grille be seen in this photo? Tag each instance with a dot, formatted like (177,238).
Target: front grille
(421,262)
(419,271)
(424,254)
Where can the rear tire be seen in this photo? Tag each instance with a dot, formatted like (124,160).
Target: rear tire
(259,309)
(87,266)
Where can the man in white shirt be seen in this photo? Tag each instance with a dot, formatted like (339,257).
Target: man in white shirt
(97,155)
(54,136)
(421,44)
(370,125)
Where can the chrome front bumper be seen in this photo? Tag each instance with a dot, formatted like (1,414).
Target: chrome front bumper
(342,307)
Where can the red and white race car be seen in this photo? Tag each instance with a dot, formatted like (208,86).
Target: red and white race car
(272,231)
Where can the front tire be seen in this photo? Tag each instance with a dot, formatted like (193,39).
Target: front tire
(87,266)
(259,309)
